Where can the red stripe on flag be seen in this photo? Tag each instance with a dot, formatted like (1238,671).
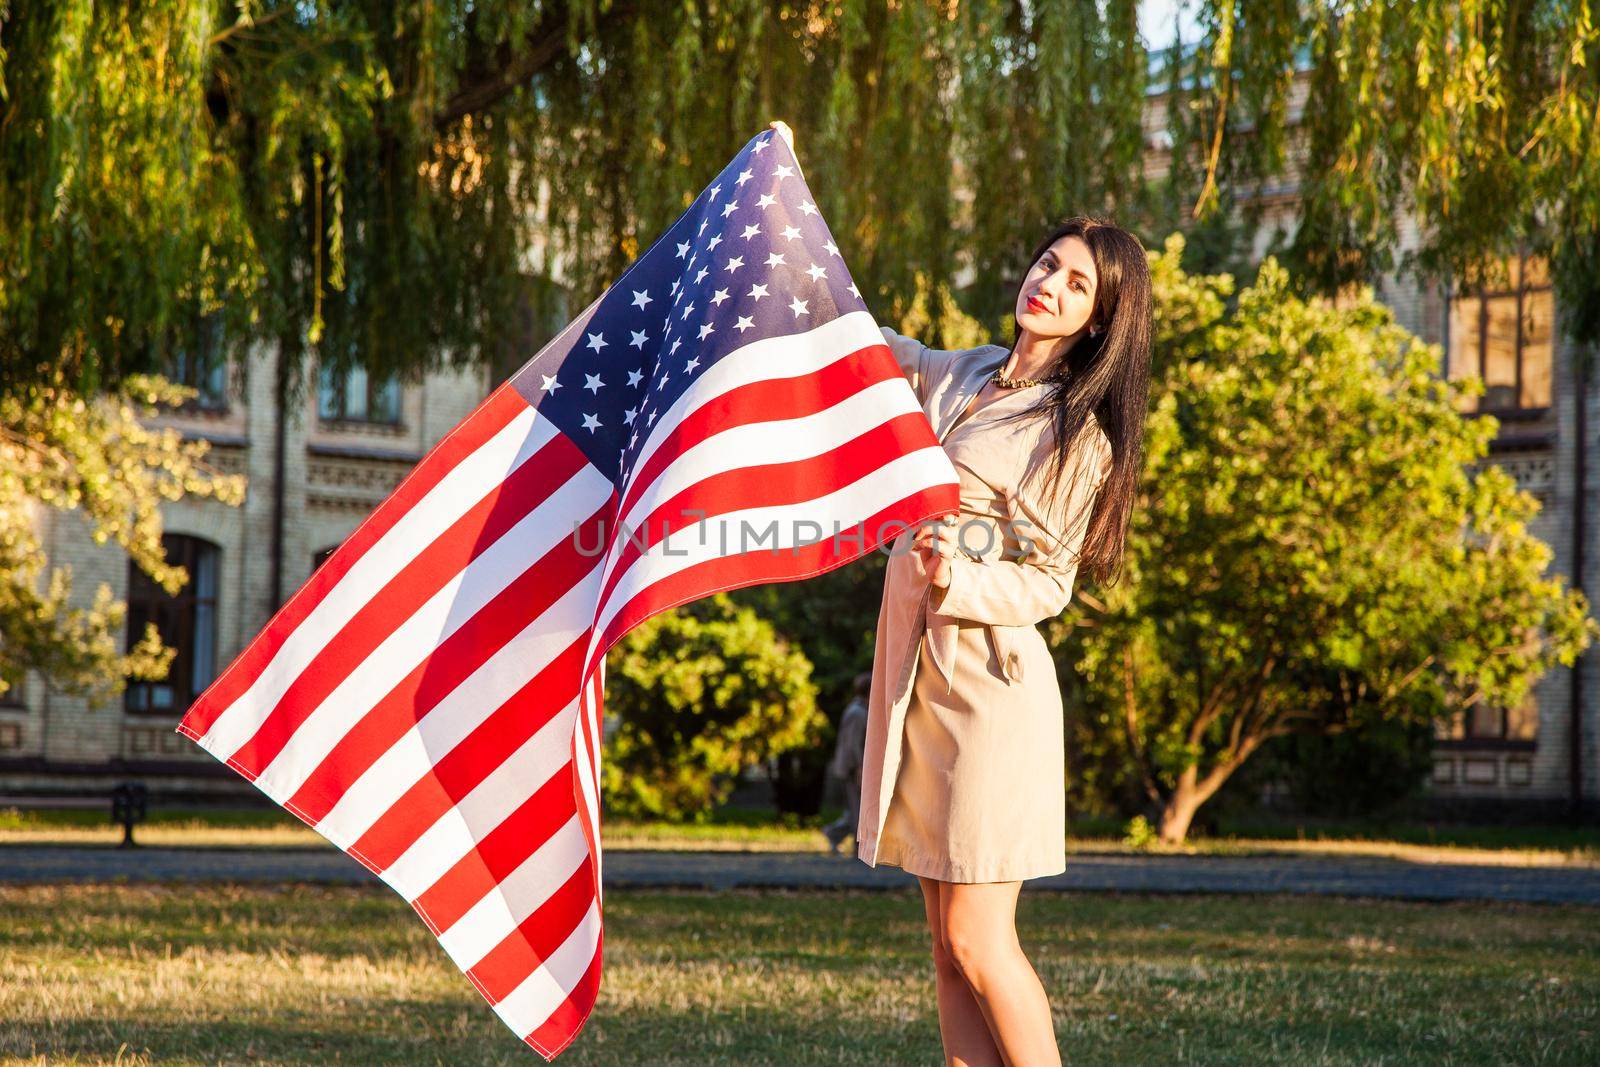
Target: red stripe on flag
(586,721)
(450,663)
(457,772)
(420,580)
(752,568)
(503,849)
(767,400)
(770,485)
(561,1029)
(589,821)
(488,419)
(536,937)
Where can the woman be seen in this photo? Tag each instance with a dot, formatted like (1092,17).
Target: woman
(963,781)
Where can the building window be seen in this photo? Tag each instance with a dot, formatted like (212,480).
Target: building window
(320,556)
(1505,336)
(1486,722)
(186,622)
(355,396)
(194,355)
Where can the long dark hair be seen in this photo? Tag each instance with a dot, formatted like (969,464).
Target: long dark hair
(1108,376)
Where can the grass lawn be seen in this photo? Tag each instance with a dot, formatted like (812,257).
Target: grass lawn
(746,829)
(190,975)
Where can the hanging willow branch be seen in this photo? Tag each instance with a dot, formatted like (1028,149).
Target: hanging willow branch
(169,157)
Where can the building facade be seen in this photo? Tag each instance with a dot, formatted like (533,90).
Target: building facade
(1544,754)
(314,471)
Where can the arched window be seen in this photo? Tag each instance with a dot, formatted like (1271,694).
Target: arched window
(186,622)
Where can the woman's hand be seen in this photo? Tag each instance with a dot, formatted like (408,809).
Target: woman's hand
(935,546)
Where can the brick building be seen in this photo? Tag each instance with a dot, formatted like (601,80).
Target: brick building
(1545,753)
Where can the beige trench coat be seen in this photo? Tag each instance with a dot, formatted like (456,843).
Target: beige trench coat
(963,776)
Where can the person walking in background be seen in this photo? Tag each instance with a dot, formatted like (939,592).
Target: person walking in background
(846,762)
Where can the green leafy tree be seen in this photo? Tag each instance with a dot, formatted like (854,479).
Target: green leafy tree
(701,693)
(301,165)
(304,165)
(832,620)
(1368,770)
(1320,543)
(97,457)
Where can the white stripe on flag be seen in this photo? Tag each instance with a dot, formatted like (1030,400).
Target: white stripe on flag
(526,1007)
(519,894)
(454,494)
(597,726)
(722,535)
(450,721)
(795,355)
(784,440)
(579,752)
(480,812)
(416,638)
(776,441)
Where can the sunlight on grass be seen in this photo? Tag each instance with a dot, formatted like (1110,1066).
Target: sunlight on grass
(305,975)
(746,830)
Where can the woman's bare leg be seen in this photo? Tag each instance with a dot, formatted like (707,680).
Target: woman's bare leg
(980,935)
(962,1026)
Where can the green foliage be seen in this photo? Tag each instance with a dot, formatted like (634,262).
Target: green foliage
(1478,117)
(1319,543)
(1365,771)
(701,693)
(94,456)
(122,212)
(831,619)
(1138,833)
(302,166)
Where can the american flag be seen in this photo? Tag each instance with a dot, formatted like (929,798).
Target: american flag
(430,700)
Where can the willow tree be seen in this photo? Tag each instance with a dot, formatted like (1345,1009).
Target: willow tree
(368,179)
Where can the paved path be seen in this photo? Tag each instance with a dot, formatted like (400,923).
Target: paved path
(726,870)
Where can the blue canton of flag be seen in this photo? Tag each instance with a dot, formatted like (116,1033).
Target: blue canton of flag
(751,258)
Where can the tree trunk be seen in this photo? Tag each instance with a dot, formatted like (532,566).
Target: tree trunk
(1179,811)
(1191,792)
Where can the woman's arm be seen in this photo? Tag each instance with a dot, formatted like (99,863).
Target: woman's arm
(1021,593)
(914,358)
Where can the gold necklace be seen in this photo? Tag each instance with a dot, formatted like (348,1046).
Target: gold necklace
(1003,382)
